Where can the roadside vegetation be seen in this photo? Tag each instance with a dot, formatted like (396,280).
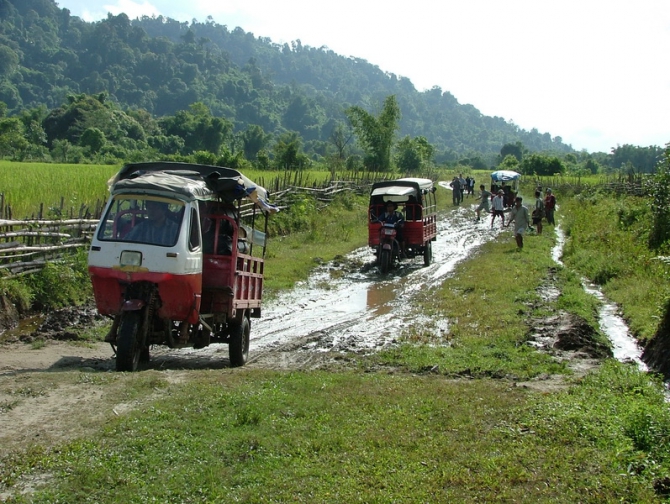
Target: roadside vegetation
(445,416)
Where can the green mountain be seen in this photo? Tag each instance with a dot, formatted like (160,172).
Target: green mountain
(163,66)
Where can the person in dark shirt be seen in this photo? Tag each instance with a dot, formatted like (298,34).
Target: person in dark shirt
(550,207)
(392,216)
(156,229)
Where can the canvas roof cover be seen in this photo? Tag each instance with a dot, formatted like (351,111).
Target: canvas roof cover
(189,181)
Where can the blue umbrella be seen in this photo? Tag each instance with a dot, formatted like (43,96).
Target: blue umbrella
(504,175)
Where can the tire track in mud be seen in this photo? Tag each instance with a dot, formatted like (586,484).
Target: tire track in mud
(362,311)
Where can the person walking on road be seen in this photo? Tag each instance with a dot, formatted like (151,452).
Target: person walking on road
(519,215)
(550,206)
(485,196)
(498,207)
(538,212)
(461,181)
(456,190)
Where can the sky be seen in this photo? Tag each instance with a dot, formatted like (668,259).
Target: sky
(594,72)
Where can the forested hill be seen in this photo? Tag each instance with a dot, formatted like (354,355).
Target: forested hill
(164,66)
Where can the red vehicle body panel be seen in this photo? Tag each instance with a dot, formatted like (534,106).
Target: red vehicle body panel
(180,294)
(227,289)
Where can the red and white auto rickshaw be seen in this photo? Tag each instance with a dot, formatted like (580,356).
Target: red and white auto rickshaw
(177,259)
(415,199)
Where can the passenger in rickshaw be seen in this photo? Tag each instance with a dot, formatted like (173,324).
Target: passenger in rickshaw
(157,228)
(225,241)
(412,209)
(392,216)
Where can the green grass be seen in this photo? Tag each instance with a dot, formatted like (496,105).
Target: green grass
(487,304)
(261,436)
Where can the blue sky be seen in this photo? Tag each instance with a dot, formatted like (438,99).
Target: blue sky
(594,72)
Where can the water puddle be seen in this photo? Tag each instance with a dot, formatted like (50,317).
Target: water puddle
(624,347)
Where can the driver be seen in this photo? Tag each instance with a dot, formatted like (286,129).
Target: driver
(157,228)
(392,216)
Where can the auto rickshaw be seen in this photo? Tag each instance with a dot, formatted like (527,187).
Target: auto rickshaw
(177,259)
(501,179)
(415,199)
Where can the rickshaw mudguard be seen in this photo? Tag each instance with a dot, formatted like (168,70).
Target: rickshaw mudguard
(179,294)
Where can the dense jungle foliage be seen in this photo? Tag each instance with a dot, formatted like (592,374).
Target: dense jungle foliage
(122,89)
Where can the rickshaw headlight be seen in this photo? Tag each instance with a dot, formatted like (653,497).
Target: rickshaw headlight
(131,258)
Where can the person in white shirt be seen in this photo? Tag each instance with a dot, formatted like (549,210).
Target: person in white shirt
(498,207)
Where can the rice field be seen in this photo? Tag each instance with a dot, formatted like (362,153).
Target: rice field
(65,188)
(27,186)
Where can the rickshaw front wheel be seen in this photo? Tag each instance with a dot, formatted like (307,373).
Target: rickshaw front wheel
(385,261)
(129,344)
(238,347)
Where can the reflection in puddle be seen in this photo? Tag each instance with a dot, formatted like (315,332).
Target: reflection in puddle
(379,298)
(25,326)
(624,346)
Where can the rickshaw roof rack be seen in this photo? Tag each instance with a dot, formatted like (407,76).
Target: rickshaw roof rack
(193,181)
(131,170)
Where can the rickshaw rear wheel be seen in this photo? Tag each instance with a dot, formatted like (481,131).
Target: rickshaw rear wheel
(427,254)
(385,261)
(129,344)
(238,348)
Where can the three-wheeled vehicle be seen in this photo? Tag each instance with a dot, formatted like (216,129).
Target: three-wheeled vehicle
(414,198)
(501,180)
(177,259)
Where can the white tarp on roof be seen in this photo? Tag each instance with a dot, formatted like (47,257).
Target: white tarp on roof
(504,175)
(424,183)
(394,191)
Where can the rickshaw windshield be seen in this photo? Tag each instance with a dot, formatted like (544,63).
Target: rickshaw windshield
(142,219)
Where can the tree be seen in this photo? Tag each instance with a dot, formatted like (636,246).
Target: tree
(340,138)
(659,186)
(9,60)
(510,162)
(253,140)
(413,154)
(516,149)
(288,152)
(538,164)
(12,140)
(376,133)
(94,139)
(199,129)
(639,159)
